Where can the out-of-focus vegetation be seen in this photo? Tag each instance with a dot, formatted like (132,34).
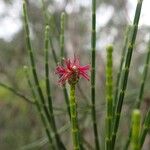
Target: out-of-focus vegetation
(20,126)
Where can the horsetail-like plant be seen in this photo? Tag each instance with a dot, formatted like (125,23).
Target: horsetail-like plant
(141,89)
(48,91)
(125,73)
(121,66)
(136,126)
(93,74)
(43,118)
(145,73)
(34,72)
(71,71)
(109,97)
(62,56)
(33,68)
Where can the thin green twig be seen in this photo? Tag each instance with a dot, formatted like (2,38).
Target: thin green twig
(93,48)
(39,108)
(125,74)
(48,91)
(121,66)
(35,77)
(141,89)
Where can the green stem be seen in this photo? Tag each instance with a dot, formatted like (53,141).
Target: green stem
(29,47)
(74,119)
(62,55)
(47,81)
(38,88)
(93,47)
(126,71)
(136,125)
(109,97)
(39,109)
(121,66)
(141,90)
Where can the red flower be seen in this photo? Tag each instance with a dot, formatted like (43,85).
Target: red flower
(72,71)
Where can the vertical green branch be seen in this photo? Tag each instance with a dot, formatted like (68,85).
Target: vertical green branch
(93,47)
(44,121)
(136,126)
(62,55)
(126,71)
(109,97)
(29,47)
(121,66)
(145,72)
(141,89)
(38,88)
(48,91)
(74,119)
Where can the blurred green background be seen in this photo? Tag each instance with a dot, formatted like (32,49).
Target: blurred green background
(20,125)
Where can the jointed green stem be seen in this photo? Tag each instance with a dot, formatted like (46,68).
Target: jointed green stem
(38,88)
(74,118)
(136,125)
(109,98)
(62,55)
(61,146)
(141,90)
(126,71)
(121,66)
(93,47)
(145,72)
(39,108)
(29,47)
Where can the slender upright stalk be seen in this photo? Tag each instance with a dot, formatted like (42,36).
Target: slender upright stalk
(93,74)
(136,126)
(62,55)
(109,97)
(48,91)
(126,71)
(38,88)
(141,90)
(44,121)
(74,119)
(29,47)
(145,72)
(121,66)
(145,129)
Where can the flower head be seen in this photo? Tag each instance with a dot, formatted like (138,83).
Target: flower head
(72,71)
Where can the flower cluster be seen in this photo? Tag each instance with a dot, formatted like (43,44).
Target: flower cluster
(71,71)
